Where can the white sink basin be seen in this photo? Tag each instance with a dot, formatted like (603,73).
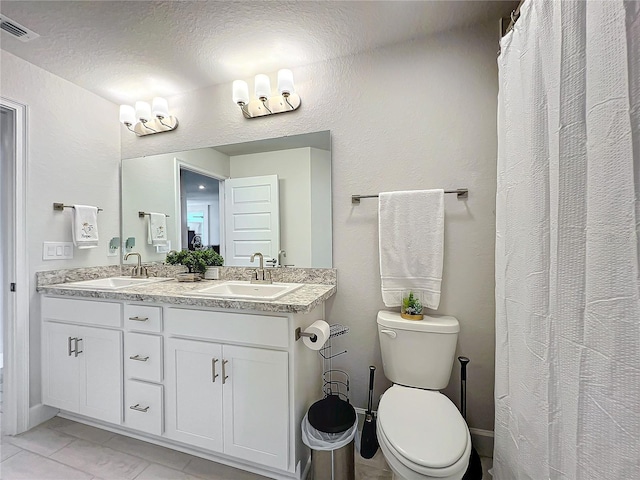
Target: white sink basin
(248,290)
(113,283)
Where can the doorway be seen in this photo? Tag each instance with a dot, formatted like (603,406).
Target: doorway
(14,279)
(200,210)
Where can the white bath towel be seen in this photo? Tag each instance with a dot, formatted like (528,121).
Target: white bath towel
(84,226)
(411,229)
(157,232)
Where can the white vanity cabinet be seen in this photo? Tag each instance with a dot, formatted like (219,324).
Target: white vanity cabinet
(232,384)
(82,365)
(230,399)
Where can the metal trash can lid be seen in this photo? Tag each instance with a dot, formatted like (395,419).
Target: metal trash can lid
(332,415)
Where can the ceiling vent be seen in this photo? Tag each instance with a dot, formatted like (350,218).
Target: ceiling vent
(16,30)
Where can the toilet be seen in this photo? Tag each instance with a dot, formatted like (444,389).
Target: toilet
(421,433)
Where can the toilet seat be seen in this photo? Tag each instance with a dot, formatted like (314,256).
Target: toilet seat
(424,432)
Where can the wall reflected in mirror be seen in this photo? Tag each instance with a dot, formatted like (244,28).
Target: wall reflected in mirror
(270,196)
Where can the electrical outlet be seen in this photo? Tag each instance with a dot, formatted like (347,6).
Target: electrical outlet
(57,250)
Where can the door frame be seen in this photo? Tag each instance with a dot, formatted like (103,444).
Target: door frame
(183,165)
(16,327)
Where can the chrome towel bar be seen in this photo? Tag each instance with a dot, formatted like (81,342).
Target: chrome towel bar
(461,192)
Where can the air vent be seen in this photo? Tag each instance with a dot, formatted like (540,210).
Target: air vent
(16,30)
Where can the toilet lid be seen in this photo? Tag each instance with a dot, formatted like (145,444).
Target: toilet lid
(424,426)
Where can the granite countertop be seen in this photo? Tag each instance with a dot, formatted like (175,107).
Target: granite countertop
(302,300)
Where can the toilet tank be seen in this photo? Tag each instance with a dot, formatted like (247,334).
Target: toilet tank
(418,353)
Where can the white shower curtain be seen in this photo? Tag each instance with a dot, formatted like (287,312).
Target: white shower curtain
(567,272)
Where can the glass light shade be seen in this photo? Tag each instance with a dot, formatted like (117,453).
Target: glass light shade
(240,92)
(143,111)
(263,86)
(160,107)
(127,115)
(285,81)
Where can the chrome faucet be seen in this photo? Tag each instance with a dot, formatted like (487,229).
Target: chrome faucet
(139,271)
(281,254)
(260,275)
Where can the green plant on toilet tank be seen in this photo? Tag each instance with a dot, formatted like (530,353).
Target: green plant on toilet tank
(411,305)
(196,261)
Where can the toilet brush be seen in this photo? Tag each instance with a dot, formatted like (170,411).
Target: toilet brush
(474,470)
(369,439)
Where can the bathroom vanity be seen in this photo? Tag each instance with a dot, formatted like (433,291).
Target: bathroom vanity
(224,379)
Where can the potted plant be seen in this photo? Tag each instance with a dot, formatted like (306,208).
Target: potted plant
(197,261)
(411,306)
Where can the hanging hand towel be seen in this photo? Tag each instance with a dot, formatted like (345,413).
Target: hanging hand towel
(84,226)
(157,233)
(411,229)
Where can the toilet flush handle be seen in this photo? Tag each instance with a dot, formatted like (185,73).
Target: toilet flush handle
(391,333)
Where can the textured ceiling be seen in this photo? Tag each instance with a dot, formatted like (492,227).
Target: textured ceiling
(130,50)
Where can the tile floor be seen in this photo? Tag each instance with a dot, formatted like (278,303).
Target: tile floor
(67,450)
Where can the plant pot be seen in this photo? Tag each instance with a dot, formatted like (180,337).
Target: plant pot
(411,307)
(188,277)
(212,273)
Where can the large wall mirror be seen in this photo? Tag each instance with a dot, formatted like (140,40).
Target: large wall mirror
(270,196)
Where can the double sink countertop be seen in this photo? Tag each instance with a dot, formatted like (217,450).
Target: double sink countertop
(318,286)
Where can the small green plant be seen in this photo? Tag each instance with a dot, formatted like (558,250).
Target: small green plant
(196,261)
(411,305)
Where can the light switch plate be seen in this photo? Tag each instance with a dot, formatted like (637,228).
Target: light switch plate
(57,250)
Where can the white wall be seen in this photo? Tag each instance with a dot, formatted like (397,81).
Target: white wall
(73,156)
(151,183)
(321,238)
(416,115)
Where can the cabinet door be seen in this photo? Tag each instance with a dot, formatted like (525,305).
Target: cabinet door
(60,381)
(194,392)
(256,405)
(100,373)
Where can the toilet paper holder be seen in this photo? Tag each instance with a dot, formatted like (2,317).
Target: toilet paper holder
(299,333)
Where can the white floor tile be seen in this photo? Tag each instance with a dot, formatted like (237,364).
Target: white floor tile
(57,422)
(160,472)
(150,452)
(85,432)
(217,471)
(29,466)
(41,440)
(100,461)
(8,450)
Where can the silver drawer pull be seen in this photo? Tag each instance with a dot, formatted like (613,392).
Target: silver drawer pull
(214,375)
(224,375)
(139,319)
(138,408)
(139,358)
(71,350)
(77,352)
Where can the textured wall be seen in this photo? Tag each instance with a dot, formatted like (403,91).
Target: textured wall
(72,157)
(417,115)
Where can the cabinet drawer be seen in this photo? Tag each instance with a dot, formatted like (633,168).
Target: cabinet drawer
(143,407)
(263,330)
(143,356)
(143,318)
(86,312)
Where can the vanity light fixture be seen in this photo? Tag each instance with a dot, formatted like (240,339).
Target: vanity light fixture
(148,119)
(265,103)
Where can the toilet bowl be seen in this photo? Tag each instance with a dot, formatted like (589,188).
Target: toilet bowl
(422,435)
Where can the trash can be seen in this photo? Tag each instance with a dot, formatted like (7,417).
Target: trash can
(332,454)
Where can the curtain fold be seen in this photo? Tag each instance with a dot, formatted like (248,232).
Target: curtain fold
(567,253)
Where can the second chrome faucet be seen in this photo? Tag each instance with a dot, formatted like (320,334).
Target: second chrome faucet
(139,271)
(260,275)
